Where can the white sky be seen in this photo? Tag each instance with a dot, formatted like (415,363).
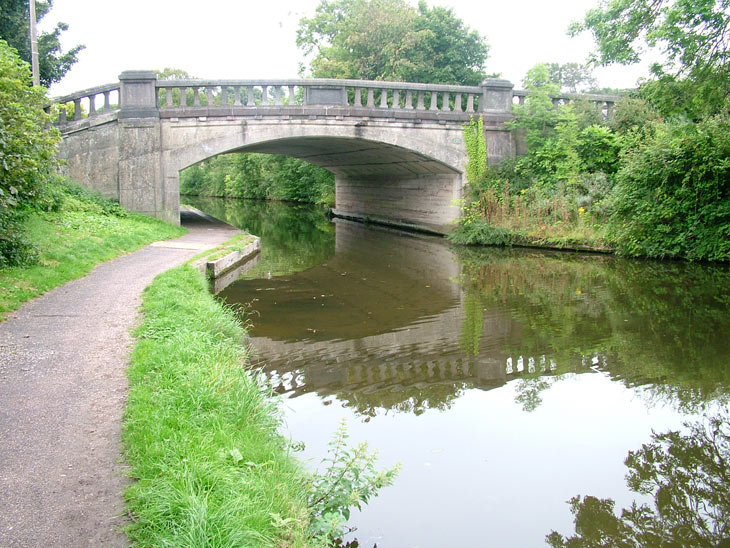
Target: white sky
(246,39)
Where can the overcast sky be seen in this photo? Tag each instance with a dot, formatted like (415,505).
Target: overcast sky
(245,39)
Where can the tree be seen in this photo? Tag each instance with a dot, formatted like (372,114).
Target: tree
(687,474)
(391,40)
(572,77)
(53,63)
(454,53)
(692,36)
(27,152)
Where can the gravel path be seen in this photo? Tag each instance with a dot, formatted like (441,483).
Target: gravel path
(62,392)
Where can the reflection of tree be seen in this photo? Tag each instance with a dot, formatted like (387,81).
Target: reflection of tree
(528,391)
(294,237)
(471,329)
(689,478)
(415,400)
(663,325)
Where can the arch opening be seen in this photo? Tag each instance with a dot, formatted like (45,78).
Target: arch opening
(376,181)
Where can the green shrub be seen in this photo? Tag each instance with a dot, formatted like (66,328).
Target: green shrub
(27,154)
(480,232)
(672,192)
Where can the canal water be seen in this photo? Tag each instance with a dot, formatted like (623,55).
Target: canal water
(505,381)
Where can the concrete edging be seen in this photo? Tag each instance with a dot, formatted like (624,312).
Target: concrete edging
(216,268)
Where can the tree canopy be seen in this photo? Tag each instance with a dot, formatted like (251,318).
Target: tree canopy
(53,63)
(391,40)
(691,37)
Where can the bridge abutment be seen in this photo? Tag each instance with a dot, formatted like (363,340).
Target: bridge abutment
(423,202)
(143,186)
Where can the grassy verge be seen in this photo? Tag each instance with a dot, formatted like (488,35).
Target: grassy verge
(549,223)
(84,232)
(200,433)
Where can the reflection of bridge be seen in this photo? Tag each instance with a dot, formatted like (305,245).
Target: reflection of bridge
(396,149)
(394,330)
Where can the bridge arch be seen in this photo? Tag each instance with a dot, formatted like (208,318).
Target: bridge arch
(380,173)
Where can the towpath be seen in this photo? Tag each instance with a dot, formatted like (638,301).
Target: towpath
(63,388)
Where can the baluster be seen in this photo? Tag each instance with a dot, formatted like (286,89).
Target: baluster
(470,102)
(250,102)
(277,95)
(371,98)
(62,114)
(224,96)
(196,97)
(107,107)
(264,95)
(92,105)
(209,95)
(383,98)
(396,98)
(434,100)
(358,97)
(457,103)
(409,100)
(168,98)
(236,96)
(420,105)
(183,97)
(292,96)
(445,107)
(77,109)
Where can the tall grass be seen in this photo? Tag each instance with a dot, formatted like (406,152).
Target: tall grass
(200,433)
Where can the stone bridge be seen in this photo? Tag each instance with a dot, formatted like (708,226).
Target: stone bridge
(396,149)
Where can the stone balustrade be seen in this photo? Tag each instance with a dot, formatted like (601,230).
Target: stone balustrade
(88,103)
(603,102)
(140,94)
(221,94)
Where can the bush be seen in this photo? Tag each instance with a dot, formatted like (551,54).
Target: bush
(480,232)
(27,154)
(672,192)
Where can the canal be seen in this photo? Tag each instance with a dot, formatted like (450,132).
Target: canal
(505,381)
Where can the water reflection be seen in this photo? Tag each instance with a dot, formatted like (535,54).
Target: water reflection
(506,381)
(404,323)
(645,323)
(294,237)
(687,476)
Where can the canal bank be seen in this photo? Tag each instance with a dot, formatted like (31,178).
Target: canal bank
(62,392)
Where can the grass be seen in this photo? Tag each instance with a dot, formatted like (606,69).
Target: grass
(200,433)
(71,242)
(237,243)
(527,222)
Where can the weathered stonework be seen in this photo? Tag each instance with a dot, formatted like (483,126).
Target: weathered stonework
(396,150)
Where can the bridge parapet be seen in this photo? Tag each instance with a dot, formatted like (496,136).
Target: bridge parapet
(140,94)
(193,98)
(88,102)
(354,97)
(604,102)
